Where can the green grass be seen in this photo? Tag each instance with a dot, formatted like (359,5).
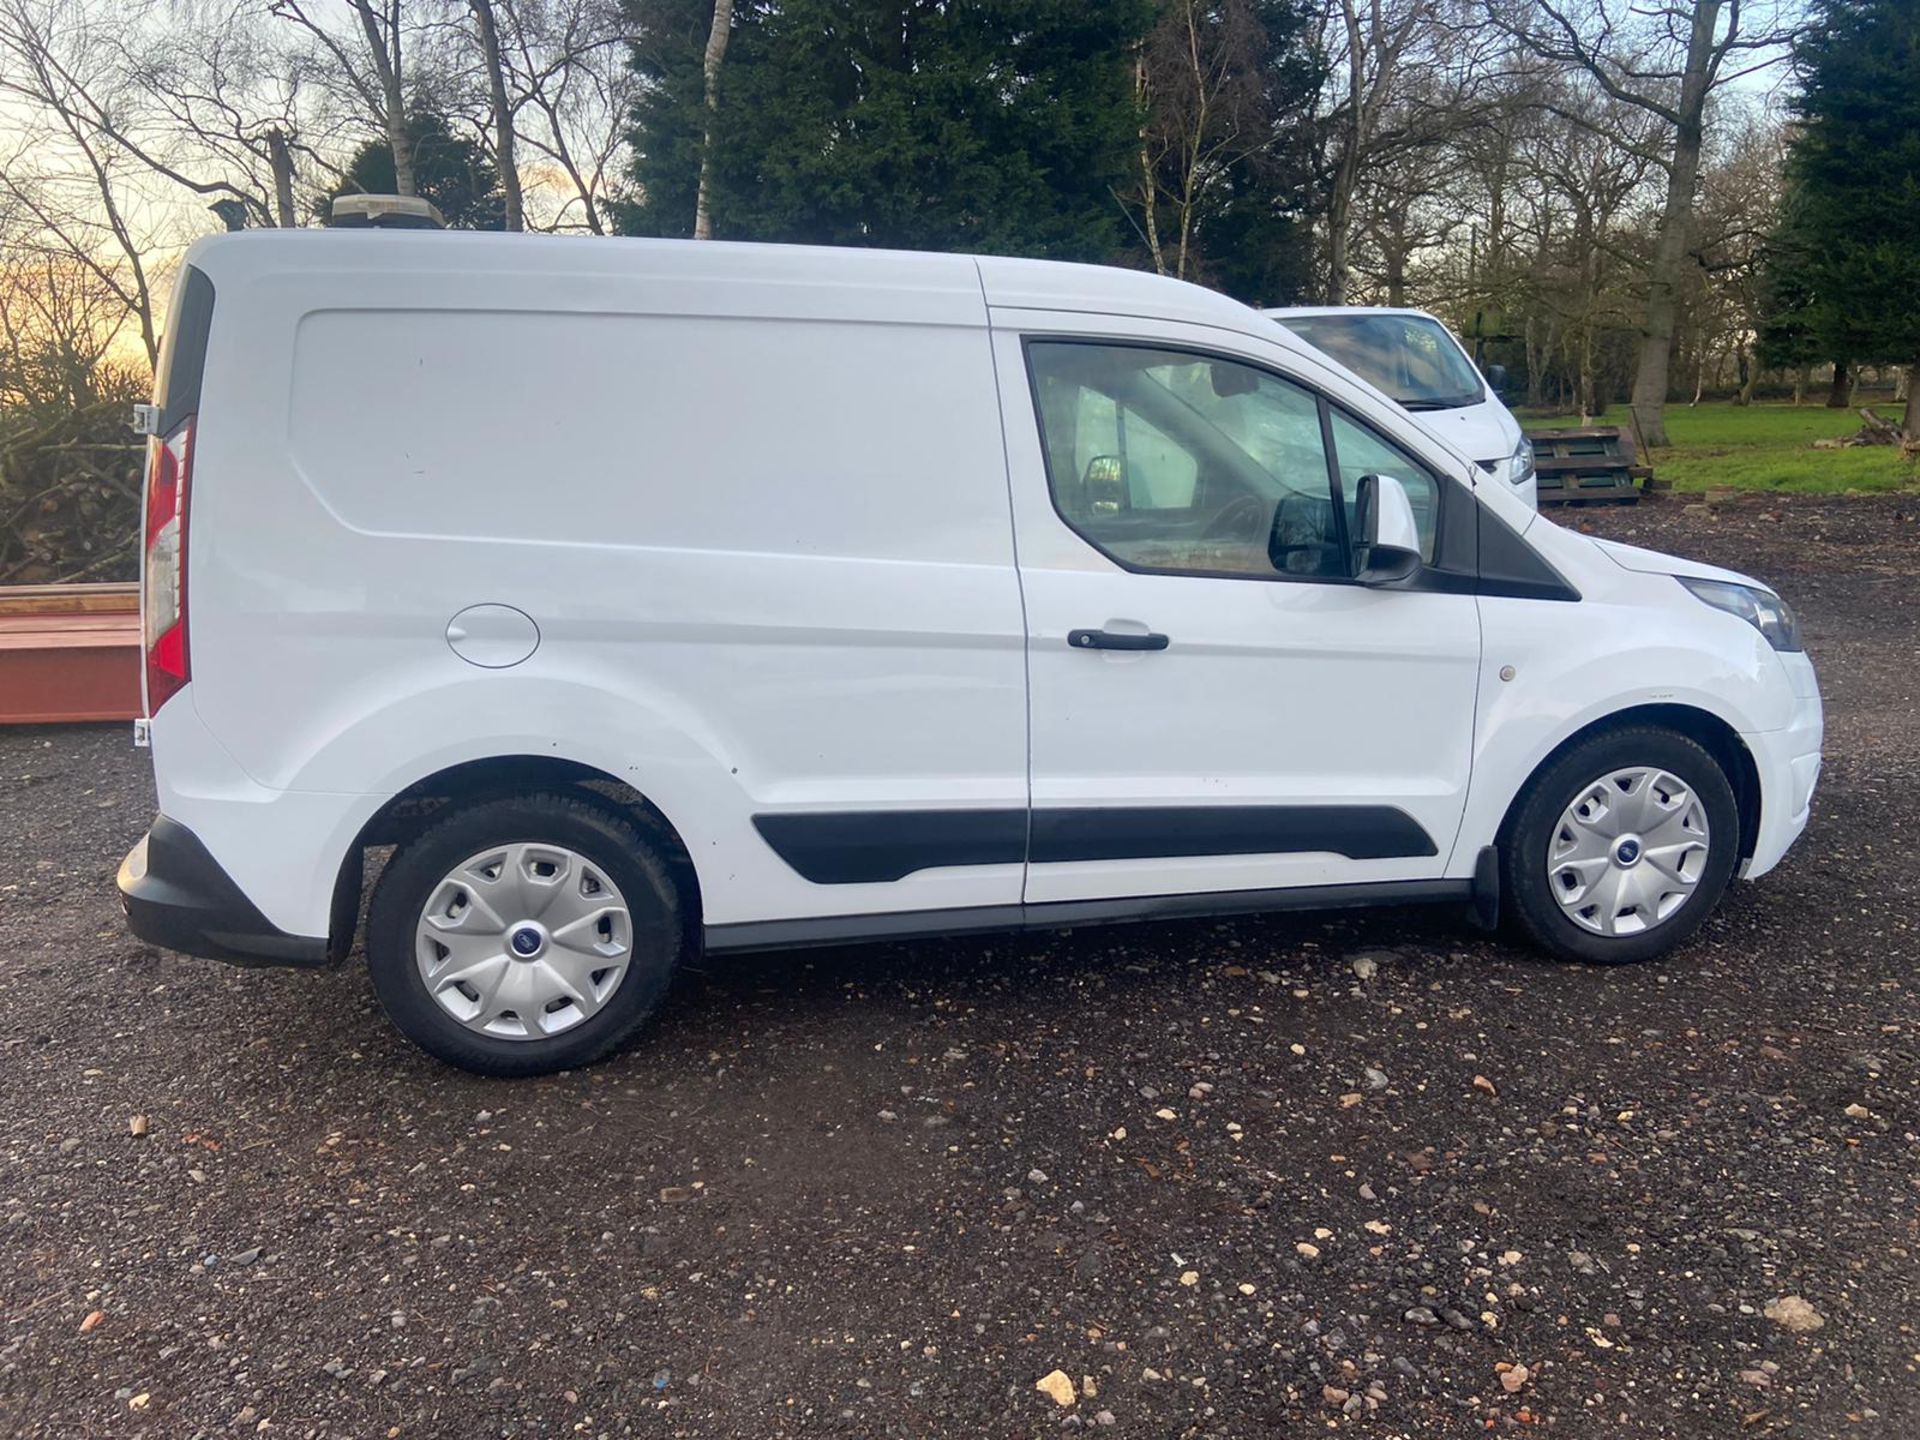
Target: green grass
(1764,447)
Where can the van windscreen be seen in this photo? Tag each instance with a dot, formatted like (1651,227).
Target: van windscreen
(1410,357)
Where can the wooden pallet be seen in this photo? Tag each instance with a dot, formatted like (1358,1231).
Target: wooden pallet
(69,653)
(1588,464)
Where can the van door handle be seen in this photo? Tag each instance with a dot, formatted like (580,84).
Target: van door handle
(1109,640)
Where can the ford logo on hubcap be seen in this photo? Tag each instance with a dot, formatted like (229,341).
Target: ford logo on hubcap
(526,942)
(1627,852)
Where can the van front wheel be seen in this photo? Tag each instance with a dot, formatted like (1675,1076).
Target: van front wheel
(1621,847)
(525,935)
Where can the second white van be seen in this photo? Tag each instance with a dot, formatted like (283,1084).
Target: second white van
(624,598)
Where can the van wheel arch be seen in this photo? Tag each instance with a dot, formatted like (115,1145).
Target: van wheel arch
(1709,731)
(496,777)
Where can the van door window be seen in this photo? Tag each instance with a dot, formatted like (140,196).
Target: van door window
(1361,452)
(1174,462)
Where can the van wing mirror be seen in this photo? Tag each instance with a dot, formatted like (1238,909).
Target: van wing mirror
(1387,536)
(1497,377)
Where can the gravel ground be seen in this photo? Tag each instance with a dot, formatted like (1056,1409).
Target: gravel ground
(1266,1178)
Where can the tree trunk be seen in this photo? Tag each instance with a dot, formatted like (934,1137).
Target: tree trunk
(1339,219)
(1841,387)
(1802,378)
(503,156)
(1651,376)
(387,64)
(1536,364)
(1749,377)
(401,144)
(1346,178)
(1150,193)
(1584,382)
(710,71)
(281,160)
(1910,418)
(1396,249)
(1149,184)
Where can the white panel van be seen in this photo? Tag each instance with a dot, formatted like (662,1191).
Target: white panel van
(632,597)
(1413,359)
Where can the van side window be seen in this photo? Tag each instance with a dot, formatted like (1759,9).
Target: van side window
(1188,464)
(1361,452)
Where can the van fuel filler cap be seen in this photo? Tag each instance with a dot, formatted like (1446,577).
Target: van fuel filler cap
(493,636)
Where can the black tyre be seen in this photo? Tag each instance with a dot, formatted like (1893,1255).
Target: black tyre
(524,935)
(1620,847)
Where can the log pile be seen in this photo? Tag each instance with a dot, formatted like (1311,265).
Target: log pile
(69,494)
(1875,430)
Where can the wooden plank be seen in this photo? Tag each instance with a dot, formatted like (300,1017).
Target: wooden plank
(69,599)
(69,653)
(1563,464)
(57,685)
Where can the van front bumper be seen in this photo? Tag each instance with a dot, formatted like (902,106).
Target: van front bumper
(1788,762)
(176,896)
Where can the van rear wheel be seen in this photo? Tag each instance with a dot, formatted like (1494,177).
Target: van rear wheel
(1621,847)
(524,935)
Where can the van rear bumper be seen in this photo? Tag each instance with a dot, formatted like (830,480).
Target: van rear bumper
(176,896)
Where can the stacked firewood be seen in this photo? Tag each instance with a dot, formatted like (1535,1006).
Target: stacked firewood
(69,494)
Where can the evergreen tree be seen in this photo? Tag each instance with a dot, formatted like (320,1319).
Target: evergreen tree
(667,39)
(452,172)
(1849,272)
(991,125)
(1787,338)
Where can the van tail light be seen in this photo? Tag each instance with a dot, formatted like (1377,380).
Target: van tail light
(163,588)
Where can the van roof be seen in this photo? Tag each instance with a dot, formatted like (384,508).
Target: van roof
(807,274)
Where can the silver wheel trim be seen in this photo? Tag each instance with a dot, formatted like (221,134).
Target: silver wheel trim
(523,941)
(1629,852)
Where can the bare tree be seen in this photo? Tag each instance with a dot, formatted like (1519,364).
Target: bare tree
(710,64)
(1404,211)
(56,69)
(59,326)
(501,112)
(1373,39)
(1738,208)
(1410,76)
(1666,59)
(569,91)
(222,109)
(1590,160)
(371,67)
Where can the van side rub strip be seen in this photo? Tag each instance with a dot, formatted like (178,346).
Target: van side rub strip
(877,846)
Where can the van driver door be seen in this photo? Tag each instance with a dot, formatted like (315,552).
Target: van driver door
(1217,703)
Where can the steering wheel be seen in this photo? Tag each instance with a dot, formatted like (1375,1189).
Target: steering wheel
(1241,519)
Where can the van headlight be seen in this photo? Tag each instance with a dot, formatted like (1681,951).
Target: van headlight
(1762,609)
(1519,467)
